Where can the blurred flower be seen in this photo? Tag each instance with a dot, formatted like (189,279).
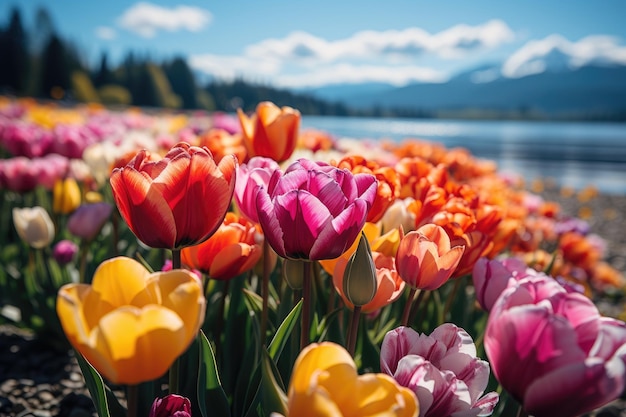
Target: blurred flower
(233,249)
(442,369)
(21,174)
(171,406)
(271,131)
(256,172)
(177,201)
(398,215)
(88,219)
(425,258)
(130,324)
(314,211)
(65,196)
(567,358)
(325,382)
(491,277)
(64,251)
(34,226)
(222,143)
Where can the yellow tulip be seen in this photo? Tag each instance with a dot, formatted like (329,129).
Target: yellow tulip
(131,324)
(65,196)
(325,382)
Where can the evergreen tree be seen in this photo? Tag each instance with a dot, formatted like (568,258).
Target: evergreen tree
(183,83)
(55,78)
(13,49)
(104,75)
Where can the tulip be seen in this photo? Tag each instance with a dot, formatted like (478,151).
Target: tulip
(64,251)
(491,277)
(34,226)
(232,250)
(256,172)
(325,382)
(65,196)
(441,368)
(425,258)
(175,202)
(130,324)
(87,221)
(172,405)
(398,215)
(271,131)
(314,211)
(359,275)
(552,351)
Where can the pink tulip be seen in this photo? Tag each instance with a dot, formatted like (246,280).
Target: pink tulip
(172,405)
(64,251)
(491,277)
(442,369)
(257,172)
(552,351)
(314,211)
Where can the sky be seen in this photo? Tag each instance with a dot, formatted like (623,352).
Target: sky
(298,44)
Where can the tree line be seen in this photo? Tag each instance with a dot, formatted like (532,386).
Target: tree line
(40,63)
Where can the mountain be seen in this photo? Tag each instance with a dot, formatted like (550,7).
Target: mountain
(559,90)
(338,92)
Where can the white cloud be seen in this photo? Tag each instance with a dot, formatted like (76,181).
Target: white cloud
(106,32)
(392,44)
(147,19)
(230,67)
(538,55)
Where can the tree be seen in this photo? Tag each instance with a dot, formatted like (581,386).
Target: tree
(55,78)
(13,49)
(183,82)
(104,75)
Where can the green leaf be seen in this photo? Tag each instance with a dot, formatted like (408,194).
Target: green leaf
(284,331)
(104,400)
(273,397)
(211,395)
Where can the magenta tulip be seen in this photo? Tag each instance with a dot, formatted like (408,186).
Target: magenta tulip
(257,172)
(64,251)
(491,277)
(441,368)
(553,351)
(171,406)
(88,219)
(314,211)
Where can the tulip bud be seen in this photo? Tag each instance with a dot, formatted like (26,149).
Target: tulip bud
(293,271)
(34,226)
(64,251)
(171,406)
(359,277)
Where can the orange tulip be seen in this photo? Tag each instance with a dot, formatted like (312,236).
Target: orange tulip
(221,143)
(232,250)
(177,201)
(271,131)
(426,259)
(325,382)
(130,324)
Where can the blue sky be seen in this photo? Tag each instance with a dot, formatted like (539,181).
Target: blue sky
(311,43)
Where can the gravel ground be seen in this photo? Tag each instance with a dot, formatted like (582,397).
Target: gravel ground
(37,380)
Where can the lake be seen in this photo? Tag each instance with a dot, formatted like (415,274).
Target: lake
(574,154)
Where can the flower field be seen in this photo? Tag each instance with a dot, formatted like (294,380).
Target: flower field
(237,265)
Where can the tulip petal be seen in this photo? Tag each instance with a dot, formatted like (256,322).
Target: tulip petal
(117,292)
(271,226)
(142,206)
(152,338)
(337,235)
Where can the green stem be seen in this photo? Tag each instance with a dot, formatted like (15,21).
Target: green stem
(83,261)
(521,412)
(416,305)
(132,400)
(219,324)
(354,328)
(306,305)
(452,296)
(407,307)
(175,368)
(265,286)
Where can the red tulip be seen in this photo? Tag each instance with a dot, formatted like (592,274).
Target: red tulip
(177,201)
